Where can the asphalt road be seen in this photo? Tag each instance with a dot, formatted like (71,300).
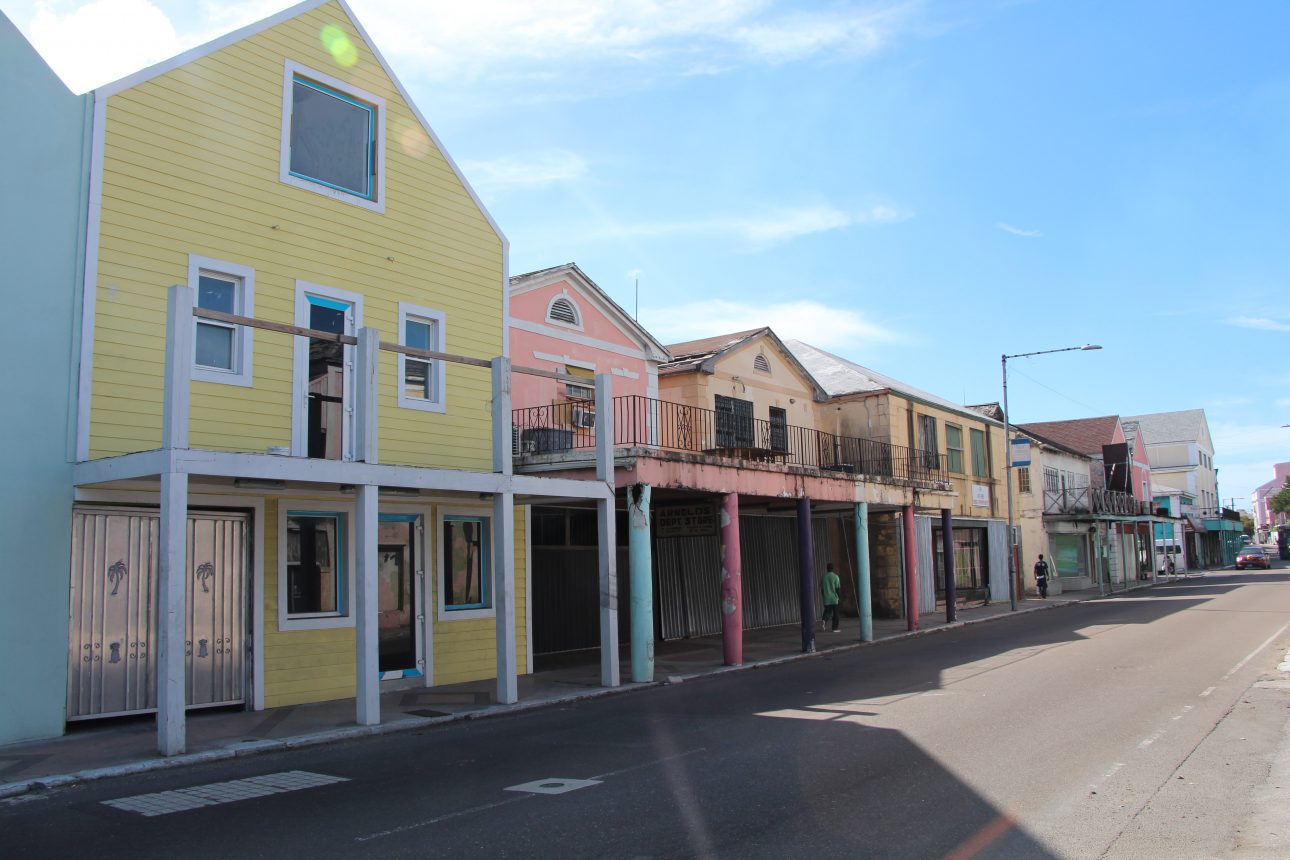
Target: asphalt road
(1131,727)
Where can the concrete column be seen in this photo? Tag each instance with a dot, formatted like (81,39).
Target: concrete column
(503,419)
(172,578)
(503,540)
(806,573)
(642,582)
(367,693)
(947,550)
(864,593)
(911,570)
(732,598)
(605,517)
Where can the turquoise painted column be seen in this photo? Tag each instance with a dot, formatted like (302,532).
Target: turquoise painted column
(732,597)
(641,566)
(864,596)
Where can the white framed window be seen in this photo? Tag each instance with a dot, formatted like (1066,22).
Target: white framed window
(222,351)
(421,381)
(333,138)
(564,311)
(464,564)
(315,566)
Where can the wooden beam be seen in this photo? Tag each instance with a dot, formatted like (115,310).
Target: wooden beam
(283,328)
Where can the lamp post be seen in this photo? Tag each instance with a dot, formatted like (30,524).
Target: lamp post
(1007,460)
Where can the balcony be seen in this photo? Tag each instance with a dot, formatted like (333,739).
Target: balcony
(544,433)
(1090,500)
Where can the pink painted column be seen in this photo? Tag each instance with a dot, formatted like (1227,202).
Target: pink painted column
(732,606)
(911,570)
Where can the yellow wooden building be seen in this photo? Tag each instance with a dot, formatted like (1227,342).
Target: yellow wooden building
(293,430)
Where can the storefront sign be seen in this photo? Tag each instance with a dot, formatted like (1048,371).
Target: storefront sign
(980,496)
(685,521)
(1020,452)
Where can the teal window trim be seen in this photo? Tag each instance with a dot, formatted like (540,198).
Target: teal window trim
(369,172)
(342,573)
(485,568)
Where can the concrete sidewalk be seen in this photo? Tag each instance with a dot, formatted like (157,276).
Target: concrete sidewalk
(99,749)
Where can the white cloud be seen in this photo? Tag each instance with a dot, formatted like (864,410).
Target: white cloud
(528,171)
(574,48)
(104,40)
(769,227)
(1018,231)
(1260,323)
(824,326)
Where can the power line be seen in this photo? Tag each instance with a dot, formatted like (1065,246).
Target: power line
(1095,409)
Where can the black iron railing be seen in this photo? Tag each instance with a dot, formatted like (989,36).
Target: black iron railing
(1090,500)
(654,423)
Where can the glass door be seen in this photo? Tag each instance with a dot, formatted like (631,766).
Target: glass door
(399,579)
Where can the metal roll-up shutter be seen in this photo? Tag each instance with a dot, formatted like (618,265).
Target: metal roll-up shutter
(926,564)
(768,548)
(997,558)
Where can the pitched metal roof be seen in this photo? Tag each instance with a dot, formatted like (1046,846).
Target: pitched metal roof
(839,377)
(1187,425)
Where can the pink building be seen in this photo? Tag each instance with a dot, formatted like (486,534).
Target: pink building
(1264,517)
(560,320)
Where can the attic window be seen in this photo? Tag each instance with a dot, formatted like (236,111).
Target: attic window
(332,138)
(563,311)
(760,363)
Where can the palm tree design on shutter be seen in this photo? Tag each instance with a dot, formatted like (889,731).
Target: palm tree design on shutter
(116,574)
(205,571)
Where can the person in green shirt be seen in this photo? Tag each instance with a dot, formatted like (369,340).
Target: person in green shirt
(829,584)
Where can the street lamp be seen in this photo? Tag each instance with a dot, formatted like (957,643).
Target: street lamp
(1007,459)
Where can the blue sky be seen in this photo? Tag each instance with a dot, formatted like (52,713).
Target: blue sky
(918,186)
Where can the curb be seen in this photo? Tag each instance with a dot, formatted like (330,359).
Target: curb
(254,748)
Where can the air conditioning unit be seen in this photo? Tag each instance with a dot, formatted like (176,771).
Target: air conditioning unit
(583,417)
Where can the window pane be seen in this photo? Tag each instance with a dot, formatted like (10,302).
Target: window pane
(417,379)
(214,346)
(331,139)
(416,334)
(217,294)
(465,566)
(315,570)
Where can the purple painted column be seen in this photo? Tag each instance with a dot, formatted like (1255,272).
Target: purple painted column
(806,573)
(732,599)
(947,550)
(911,570)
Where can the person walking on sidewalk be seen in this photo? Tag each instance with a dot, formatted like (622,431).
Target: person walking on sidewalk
(829,584)
(1041,576)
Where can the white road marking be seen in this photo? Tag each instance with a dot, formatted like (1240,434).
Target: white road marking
(520,795)
(1255,652)
(184,799)
(1104,777)
(552,785)
(1208,690)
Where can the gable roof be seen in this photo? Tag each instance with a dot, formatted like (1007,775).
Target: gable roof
(231,38)
(1045,442)
(702,355)
(1188,425)
(839,377)
(1085,435)
(654,350)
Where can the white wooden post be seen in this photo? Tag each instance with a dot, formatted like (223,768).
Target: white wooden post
(504,596)
(368,677)
(178,371)
(366,387)
(503,457)
(172,577)
(606,520)
(503,537)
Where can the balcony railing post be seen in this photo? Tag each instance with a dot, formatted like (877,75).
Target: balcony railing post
(366,386)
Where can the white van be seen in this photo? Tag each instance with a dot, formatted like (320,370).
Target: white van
(1169,554)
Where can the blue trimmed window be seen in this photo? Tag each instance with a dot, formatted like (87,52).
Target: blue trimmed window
(333,139)
(465,563)
(315,564)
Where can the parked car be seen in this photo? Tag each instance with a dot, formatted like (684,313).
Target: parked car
(1252,556)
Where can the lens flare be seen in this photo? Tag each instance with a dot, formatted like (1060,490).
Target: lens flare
(414,142)
(342,50)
